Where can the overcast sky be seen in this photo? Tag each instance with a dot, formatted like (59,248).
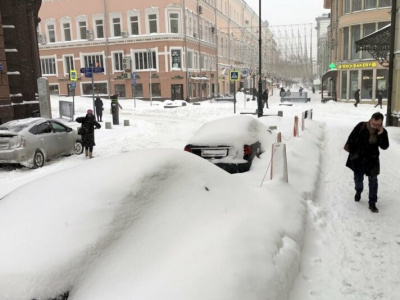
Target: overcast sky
(286,12)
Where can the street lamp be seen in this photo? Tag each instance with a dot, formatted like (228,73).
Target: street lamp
(149,59)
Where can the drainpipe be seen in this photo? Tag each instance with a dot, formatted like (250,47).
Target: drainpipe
(186,50)
(106,25)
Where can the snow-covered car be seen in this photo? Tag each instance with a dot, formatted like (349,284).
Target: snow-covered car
(231,143)
(32,141)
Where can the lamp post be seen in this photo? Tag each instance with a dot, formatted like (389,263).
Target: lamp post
(259,100)
(149,59)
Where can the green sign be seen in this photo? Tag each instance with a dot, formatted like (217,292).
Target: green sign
(332,66)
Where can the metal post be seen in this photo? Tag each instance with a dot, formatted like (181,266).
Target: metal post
(389,118)
(259,100)
(150,64)
(94,111)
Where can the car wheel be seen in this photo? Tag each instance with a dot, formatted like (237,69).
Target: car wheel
(38,159)
(78,148)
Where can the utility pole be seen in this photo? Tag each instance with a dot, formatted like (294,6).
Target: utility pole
(259,98)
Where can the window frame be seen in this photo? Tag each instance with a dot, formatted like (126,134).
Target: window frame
(53,58)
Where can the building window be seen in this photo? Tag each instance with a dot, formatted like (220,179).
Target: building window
(385,3)
(190,60)
(67,32)
(90,61)
(152,21)
(353,83)
(366,84)
(382,24)
(174,22)
(138,90)
(48,66)
(368,29)
(99,28)
(346,43)
(82,27)
(145,60)
(344,85)
(346,6)
(134,25)
(356,5)
(68,63)
(51,33)
(117,61)
(116,26)
(381,81)
(369,4)
(176,59)
(100,88)
(155,90)
(355,36)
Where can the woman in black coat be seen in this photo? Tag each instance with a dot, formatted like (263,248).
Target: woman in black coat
(89,123)
(98,103)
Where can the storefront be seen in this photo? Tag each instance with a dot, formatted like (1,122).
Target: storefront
(369,77)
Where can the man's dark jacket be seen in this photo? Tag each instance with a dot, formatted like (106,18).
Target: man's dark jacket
(364,156)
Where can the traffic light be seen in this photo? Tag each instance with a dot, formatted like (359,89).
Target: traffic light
(73,76)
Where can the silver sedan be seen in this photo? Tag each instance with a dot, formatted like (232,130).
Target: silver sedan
(32,141)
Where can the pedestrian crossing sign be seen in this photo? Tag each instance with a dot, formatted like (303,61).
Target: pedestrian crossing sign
(234,75)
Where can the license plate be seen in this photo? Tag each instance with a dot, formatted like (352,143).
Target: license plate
(214,152)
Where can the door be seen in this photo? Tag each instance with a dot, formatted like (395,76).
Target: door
(177,91)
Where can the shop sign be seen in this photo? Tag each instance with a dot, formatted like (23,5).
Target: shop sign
(358,65)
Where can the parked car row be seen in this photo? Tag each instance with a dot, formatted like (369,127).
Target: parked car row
(33,141)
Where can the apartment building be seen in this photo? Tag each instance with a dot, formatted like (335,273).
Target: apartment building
(352,20)
(175,49)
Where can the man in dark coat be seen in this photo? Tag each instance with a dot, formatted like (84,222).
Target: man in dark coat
(98,103)
(363,146)
(380,98)
(357,97)
(265,98)
(89,123)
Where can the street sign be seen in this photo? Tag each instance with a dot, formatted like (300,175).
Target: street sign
(234,76)
(98,70)
(244,73)
(133,78)
(73,76)
(88,74)
(73,85)
(86,70)
(1,67)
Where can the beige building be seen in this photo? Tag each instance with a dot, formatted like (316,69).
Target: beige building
(352,20)
(183,49)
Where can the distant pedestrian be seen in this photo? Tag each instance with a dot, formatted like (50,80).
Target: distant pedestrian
(282,92)
(265,98)
(89,123)
(380,98)
(98,103)
(313,90)
(301,91)
(357,97)
(363,146)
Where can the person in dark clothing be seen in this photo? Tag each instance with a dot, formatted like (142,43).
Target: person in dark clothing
(98,103)
(265,98)
(380,98)
(357,97)
(89,123)
(363,146)
(313,90)
(282,92)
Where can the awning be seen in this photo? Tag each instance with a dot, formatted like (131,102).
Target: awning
(377,44)
(199,78)
(329,74)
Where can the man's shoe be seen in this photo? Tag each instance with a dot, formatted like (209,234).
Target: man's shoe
(373,208)
(357,197)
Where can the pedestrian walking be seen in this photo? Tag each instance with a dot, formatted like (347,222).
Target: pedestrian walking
(265,98)
(357,97)
(89,124)
(98,103)
(363,146)
(380,98)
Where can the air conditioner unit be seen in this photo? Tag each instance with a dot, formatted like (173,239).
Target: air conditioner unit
(124,34)
(126,63)
(127,76)
(90,34)
(42,39)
